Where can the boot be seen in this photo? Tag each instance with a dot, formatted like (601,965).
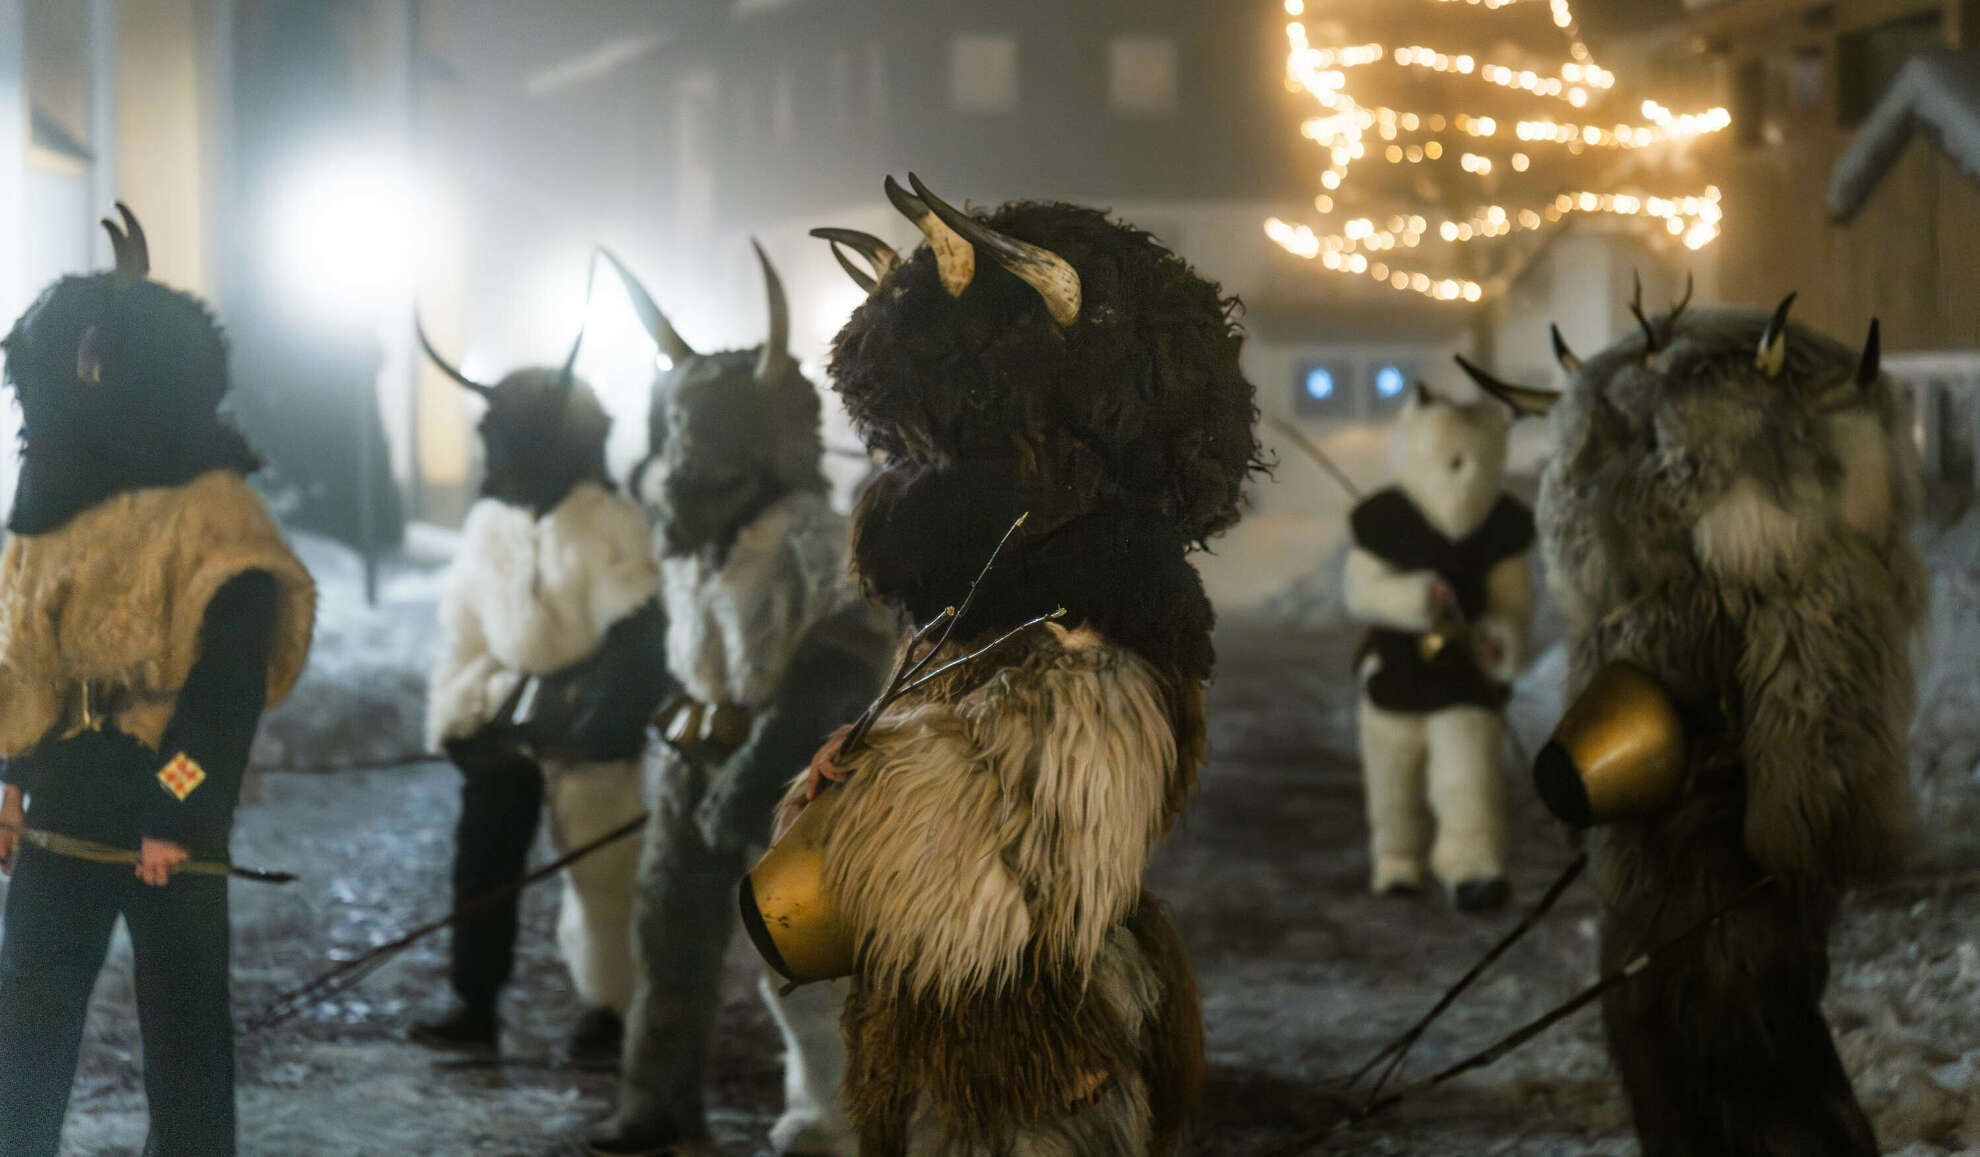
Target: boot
(461,1031)
(596,1037)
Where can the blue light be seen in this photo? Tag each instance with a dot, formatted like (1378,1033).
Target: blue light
(1319,383)
(1390,381)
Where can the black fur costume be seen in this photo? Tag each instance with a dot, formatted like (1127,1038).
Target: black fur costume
(1118,418)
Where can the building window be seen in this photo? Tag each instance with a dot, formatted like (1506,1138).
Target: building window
(1142,74)
(1321,388)
(1388,384)
(985,71)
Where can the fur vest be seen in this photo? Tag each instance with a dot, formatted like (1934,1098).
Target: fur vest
(115,599)
(735,622)
(532,595)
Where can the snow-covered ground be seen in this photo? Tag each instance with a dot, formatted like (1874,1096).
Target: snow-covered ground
(361,701)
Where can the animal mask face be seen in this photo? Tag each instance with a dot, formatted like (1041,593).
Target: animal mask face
(1450,459)
(1728,439)
(115,361)
(729,432)
(543,432)
(1071,353)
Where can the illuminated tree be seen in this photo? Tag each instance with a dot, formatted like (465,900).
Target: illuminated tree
(1456,138)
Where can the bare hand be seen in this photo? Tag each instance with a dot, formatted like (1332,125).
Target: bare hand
(157,859)
(1442,598)
(1491,652)
(12,821)
(824,765)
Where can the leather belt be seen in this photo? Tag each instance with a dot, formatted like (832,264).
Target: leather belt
(705,732)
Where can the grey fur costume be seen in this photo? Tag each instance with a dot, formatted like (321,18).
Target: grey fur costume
(775,628)
(1744,536)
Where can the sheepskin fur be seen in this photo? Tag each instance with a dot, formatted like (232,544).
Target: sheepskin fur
(1023,799)
(1746,540)
(530,595)
(735,621)
(594,916)
(117,596)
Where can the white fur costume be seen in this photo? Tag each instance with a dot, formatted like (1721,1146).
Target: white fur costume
(1436,761)
(531,596)
(736,623)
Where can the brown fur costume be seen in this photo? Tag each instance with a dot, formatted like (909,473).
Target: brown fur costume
(1017,991)
(1728,507)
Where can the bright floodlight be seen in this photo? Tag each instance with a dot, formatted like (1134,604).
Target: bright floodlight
(345,232)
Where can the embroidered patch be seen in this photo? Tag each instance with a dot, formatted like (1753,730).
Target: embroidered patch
(181,776)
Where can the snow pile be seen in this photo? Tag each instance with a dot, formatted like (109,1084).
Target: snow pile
(362,699)
(1947,731)
(1313,601)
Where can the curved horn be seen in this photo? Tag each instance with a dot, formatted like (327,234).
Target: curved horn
(1772,354)
(880,255)
(139,249)
(1043,270)
(1562,353)
(860,277)
(433,355)
(650,318)
(776,355)
(1872,362)
(1650,344)
(1524,401)
(120,245)
(569,371)
(954,255)
(1677,307)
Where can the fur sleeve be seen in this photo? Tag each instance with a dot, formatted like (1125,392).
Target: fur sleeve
(1508,611)
(467,683)
(1378,593)
(1005,823)
(1826,682)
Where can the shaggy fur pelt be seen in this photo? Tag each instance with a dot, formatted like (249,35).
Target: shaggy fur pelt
(724,447)
(1049,1065)
(1744,538)
(1025,972)
(734,622)
(1139,404)
(542,435)
(148,416)
(530,595)
(117,597)
(1747,540)
(922,534)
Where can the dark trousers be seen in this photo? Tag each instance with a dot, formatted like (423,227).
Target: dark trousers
(501,801)
(60,913)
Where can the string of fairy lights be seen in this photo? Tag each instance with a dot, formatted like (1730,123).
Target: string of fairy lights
(1353,132)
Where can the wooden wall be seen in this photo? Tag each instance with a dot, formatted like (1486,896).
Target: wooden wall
(1911,257)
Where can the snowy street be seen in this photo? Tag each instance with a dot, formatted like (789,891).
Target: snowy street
(1303,974)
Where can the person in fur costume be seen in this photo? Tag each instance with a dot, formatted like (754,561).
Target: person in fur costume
(149,610)
(1016,990)
(774,648)
(542,693)
(1728,507)
(1438,570)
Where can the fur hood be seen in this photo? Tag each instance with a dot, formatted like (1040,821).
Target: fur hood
(533,595)
(1023,804)
(735,621)
(118,596)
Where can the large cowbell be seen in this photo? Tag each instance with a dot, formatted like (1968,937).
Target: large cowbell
(1617,753)
(789,910)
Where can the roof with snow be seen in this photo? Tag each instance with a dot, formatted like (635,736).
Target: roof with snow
(1938,92)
